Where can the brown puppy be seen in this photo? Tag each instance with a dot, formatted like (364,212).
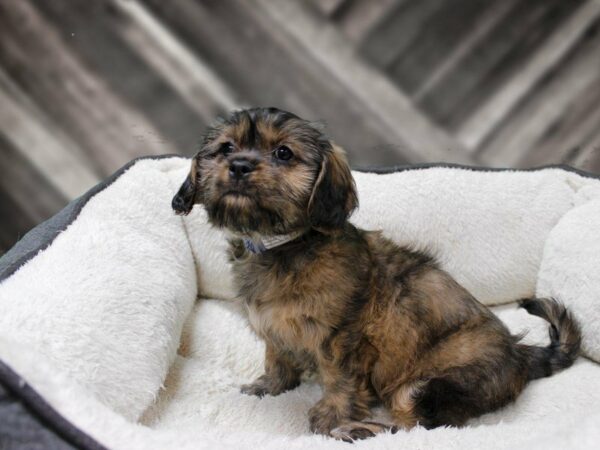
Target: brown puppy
(380,323)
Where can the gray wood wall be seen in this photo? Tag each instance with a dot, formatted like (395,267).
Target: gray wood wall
(86,85)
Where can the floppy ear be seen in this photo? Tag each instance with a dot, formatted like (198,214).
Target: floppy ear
(184,200)
(334,194)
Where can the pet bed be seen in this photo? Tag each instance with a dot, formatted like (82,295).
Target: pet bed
(119,330)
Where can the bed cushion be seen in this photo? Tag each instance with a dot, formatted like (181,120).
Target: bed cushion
(99,317)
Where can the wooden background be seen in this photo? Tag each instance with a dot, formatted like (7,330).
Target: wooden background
(87,85)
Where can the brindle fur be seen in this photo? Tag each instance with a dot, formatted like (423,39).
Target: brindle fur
(382,324)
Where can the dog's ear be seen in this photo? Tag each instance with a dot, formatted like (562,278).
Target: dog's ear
(334,194)
(186,197)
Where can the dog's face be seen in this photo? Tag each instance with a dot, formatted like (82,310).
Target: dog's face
(266,171)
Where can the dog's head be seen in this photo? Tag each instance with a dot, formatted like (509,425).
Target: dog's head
(269,172)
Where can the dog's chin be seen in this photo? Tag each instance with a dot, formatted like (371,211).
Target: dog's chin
(237,199)
(240,213)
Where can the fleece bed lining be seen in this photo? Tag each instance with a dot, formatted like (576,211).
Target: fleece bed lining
(27,249)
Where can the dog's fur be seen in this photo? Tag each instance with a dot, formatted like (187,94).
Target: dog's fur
(380,323)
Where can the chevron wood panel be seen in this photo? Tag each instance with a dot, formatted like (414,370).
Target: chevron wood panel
(86,86)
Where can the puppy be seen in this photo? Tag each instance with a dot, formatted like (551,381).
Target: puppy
(381,324)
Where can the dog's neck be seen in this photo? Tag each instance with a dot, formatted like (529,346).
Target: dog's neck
(260,244)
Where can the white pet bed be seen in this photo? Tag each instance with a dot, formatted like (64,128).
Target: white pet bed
(118,328)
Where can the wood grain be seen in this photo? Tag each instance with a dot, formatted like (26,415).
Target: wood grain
(87,86)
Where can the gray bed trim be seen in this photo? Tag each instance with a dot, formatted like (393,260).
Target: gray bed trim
(28,421)
(45,420)
(421,166)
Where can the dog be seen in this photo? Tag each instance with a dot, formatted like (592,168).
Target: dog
(380,324)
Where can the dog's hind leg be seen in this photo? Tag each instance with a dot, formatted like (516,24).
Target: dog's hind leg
(455,396)
(402,404)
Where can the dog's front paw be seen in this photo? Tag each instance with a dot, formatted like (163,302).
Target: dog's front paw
(264,385)
(258,388)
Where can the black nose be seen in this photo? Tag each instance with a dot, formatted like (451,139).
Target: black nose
(240,168)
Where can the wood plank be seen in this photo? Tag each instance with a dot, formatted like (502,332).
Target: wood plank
(99,35)
(570,137)
(377,97)
(589,158)
(259,58)
(14,224)
(26,197)
(328,7)
(483,26)
(196,82)
(42,144)
(494,60)
(358,17)
(395,33)
(523,138)
(482,121)
(32,195)
(105,127)
(438,36)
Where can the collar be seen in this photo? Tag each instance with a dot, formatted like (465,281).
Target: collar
(261,244)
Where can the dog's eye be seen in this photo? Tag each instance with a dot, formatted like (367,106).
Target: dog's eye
(226,148)
(283,153)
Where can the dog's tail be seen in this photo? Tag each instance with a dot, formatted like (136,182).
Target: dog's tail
(565,338)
